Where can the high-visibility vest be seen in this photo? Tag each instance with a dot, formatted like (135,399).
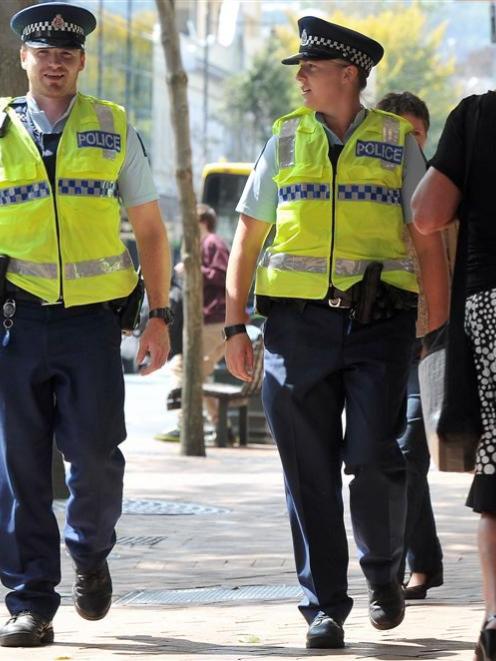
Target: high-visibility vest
(66,241)
(332,224)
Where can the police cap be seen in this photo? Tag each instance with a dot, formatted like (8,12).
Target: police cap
(53,25)
(321,40)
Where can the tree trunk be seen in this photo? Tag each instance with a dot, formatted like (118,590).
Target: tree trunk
(192,441)
(13,81)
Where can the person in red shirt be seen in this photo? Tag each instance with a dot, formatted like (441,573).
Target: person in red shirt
(214,257)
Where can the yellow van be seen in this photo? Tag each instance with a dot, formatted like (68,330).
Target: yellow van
(222,185)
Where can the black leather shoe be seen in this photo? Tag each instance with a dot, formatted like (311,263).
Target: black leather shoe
(386,605)
(486,647)
(26,630)
(92,593)
(325,633)
(433,580)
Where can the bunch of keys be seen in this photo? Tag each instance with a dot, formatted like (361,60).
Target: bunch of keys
(9,310)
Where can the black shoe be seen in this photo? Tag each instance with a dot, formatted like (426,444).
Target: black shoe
(486,647)
(433,580)
(92,593)
(26,630)
(386,605)
(325,633)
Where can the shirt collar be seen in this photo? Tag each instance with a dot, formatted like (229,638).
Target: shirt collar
(333,138)
(40,119)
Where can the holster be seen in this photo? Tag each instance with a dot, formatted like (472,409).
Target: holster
(128,309)
(4,263)
(369,288)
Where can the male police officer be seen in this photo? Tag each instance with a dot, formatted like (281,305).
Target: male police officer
(63,158)
(336,180)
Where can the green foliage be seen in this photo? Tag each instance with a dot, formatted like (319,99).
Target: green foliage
(262,93)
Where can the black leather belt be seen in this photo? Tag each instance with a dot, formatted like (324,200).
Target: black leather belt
(336,299)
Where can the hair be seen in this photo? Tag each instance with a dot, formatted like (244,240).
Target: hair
(206,215)
(400,103)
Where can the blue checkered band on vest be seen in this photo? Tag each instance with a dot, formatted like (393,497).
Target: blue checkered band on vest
(304,192)
(48,26)
(18,194)
(369,193)
(92,187)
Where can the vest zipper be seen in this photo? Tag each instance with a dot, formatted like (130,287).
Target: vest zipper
(334,154)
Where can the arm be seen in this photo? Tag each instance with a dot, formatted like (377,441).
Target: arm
(153,248)
(247,244)
(435,202)
(434,277)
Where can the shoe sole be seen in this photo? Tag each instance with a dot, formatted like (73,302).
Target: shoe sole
(87,616)
(324,643)
(392,624)
(26,639)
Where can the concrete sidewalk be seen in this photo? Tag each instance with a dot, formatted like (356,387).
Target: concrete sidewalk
(226,531)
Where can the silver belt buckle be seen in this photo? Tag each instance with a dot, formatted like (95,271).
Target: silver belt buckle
(335,302)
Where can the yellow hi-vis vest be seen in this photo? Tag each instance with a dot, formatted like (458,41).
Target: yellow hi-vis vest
(66,242)
(340,220)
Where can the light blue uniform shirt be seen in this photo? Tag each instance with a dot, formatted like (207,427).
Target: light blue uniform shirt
(259,199)
(135,178)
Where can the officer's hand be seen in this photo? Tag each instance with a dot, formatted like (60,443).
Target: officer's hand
(154,346)
(239,356)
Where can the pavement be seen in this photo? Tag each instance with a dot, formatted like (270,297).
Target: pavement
(213,577)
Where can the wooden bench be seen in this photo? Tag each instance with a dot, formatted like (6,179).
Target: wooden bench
(237,396)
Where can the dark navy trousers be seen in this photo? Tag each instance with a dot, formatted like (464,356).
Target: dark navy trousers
(60,375)
(422,547)
(317,364)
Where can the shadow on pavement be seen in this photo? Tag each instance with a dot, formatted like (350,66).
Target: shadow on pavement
(424,648)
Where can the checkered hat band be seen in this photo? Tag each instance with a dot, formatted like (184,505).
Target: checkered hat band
(87,187)
(369,193)
(304,192)
(351,54)
(44,27)
(19,194)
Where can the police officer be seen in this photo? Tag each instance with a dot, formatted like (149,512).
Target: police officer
(64,157)
(336,181)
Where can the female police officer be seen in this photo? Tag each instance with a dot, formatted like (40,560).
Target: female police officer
(336,179)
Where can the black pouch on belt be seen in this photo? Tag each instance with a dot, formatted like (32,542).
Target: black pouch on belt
(369,287)
(128,309)
(4,263)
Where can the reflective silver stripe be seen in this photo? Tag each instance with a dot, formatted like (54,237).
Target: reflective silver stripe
(87,187)
(358,266)
(391,135)
(23,267)
(90,267)
(286,262)
(286,148)
(369,193)
(106,119)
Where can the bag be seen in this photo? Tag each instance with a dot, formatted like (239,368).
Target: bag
(450,405)
(128,309)
(447,375)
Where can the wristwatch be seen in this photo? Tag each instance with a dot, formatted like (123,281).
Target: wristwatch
(162,313)
(235,329)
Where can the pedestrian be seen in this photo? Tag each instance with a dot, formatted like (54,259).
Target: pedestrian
(460,181)
(422,546)
(214,255)
(65,156)
(340,296)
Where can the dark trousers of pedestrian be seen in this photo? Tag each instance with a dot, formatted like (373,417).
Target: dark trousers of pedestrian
(422,547)
(60,375)
(317,364)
